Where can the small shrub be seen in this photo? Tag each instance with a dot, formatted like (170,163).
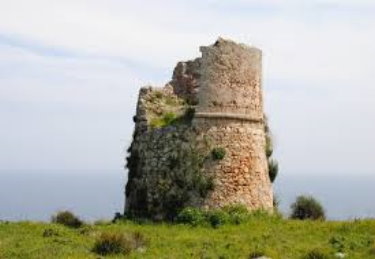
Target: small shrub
(192,216)
(67,218)
(236,209)
(273,166)
(238,213)
(316,254)
(273,169)
(112,243)
(218,218)
(218,153)
(306,207)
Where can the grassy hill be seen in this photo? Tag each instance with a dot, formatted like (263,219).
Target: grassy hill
(270,236)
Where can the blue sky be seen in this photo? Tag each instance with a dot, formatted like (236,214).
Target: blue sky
(70,72)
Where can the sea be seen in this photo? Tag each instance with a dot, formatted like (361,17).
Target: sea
(37,195)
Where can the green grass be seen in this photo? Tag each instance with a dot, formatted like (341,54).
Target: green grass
(274,237)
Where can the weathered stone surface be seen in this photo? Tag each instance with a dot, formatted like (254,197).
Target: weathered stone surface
(171,160)
(185,80)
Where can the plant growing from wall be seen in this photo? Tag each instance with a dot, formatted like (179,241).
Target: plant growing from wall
(273,165)
(171,118)
(187,181)
(165,120)
(273,169)
(218,153)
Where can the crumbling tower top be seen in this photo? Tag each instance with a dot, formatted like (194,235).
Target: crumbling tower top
(230,82)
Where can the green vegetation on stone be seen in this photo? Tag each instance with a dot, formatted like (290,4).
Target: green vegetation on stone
(163,121)
(170,118)
(273,165)
(218,153)
(269,145)
(273,169)
(180,182)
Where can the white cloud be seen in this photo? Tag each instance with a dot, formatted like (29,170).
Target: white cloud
(64,113)
(318,65)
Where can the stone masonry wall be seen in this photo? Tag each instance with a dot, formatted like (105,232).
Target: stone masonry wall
(230,112)
(230,80)
(241,177)
(212,102)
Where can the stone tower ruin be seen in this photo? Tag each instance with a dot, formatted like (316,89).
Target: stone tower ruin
(201,139)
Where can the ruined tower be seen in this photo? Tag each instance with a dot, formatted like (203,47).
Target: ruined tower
(201,139)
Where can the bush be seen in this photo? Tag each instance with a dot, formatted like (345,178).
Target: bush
(67,218)
(232,214)
(316,254)
(118,243)
(273,169)
(218,153)
(236,209)
(218,218)
(112,243)
(238,213)
(306,207)
(273,166)
(192,216)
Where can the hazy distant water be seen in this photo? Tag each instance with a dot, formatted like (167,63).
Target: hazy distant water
(344,197)
(36,196)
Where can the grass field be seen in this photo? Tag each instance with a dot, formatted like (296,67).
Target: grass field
(270,236)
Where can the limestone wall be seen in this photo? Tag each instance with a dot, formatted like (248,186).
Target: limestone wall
(241,177)
(230,112)
(230,80)
(171,161)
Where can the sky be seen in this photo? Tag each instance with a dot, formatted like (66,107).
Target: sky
(70,72)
